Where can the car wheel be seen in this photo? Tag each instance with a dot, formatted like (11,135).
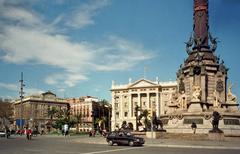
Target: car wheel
(130,143)
(110,143)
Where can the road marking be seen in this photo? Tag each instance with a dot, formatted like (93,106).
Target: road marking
(33,150)
(68,152)
(106,151)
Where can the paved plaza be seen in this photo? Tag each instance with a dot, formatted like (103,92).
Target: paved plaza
(85,145)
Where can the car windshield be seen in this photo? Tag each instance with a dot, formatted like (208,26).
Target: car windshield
(124,134)
(120,133)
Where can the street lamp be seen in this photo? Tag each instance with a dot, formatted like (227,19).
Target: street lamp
(21,100)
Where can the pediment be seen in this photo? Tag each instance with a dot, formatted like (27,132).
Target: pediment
(142,83)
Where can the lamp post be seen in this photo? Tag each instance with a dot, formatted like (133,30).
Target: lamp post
(21,100)
(136,115)
(151,119)
(109,117)
(114,110)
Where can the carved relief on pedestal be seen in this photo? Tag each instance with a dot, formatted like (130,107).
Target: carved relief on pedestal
(196,95)
(182,101)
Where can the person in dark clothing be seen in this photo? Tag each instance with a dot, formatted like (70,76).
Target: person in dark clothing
(194,127)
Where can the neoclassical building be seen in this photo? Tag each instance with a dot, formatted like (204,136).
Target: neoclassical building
(34,110)
(154,96)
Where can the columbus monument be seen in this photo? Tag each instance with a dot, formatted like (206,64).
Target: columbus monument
(202,87)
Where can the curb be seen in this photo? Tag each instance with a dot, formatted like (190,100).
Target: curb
(192,146)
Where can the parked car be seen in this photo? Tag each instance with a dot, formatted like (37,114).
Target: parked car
(124,138)
(2,133)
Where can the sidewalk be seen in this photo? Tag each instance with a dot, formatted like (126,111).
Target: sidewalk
(176,143)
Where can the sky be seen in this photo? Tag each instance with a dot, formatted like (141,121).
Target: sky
(77,47)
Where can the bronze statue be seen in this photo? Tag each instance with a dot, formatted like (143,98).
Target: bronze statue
(215,122)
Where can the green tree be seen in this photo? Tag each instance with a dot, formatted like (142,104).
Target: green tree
(52,112)
(101,122)
(77,119)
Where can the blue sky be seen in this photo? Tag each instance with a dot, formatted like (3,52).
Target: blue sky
(77,47)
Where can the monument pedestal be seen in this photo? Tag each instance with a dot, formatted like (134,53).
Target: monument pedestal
(216,135)
(195,107)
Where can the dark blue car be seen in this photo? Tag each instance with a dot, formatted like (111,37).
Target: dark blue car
(124,138)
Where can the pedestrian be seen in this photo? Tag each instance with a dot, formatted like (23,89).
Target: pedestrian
(29,133)
(194,127)
(42,131)
(65,127)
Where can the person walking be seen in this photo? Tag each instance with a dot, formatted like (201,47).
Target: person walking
(29,133)
(194,127)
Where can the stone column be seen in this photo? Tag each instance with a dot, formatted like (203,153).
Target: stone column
(161,104)
(130,115)
(203,87)
(139,99)
(157,104)
(148,102)
(121,106)
(113,112)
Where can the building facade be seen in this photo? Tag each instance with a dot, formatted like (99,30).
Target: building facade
(91,111)
(83,107)
(34,110)
(6,114)
(151,95)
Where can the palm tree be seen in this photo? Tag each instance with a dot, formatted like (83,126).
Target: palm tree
(78,120)
(105,115)
(101,122)
(52,113)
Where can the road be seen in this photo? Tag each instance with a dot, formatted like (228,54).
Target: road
(68,145)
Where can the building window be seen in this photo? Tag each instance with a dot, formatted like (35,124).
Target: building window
(144,103)
(125,114)
(116,105)
(117,114)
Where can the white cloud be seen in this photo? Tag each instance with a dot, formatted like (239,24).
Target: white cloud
(11,87)
(16,88)
(82,16)
(121,54)
(20,15)
(43,48)
(34,41)
(32,91)
(68,79)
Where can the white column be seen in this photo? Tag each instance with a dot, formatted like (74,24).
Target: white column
(148,104)
(113,112)
(161,104)
(157,104)
(139,99)
(130,115)
(121,106)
